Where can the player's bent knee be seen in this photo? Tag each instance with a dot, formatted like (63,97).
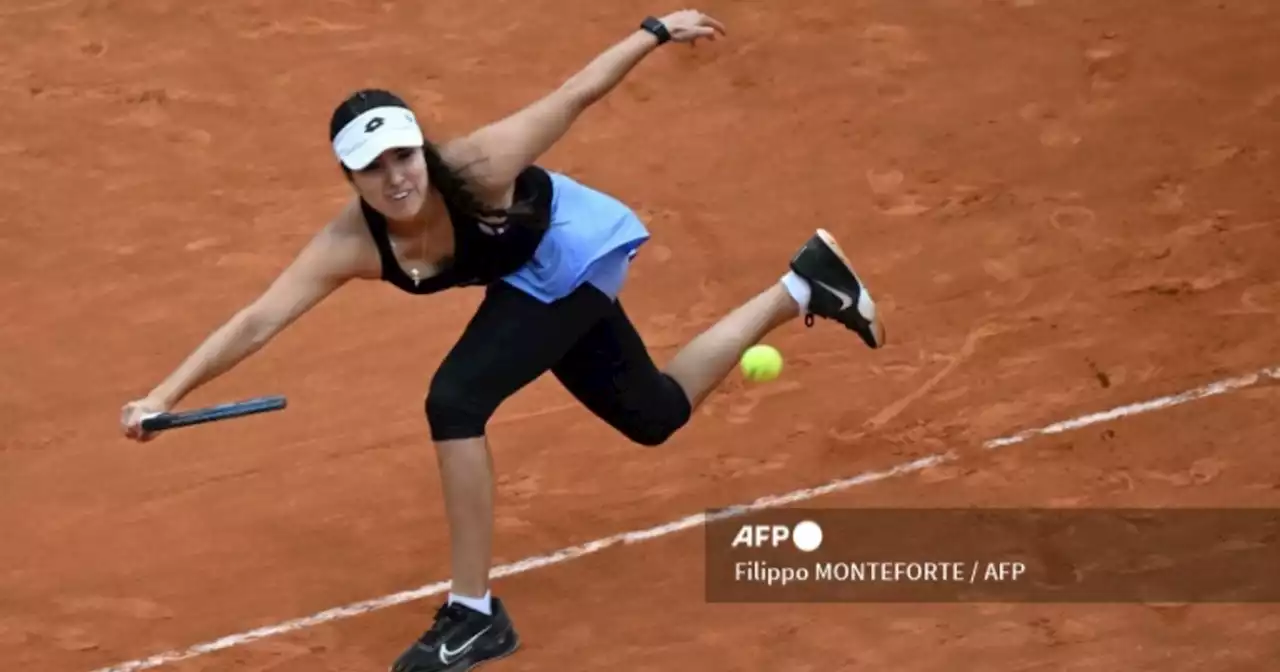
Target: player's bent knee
(666,416)
(651,435)
(454,412)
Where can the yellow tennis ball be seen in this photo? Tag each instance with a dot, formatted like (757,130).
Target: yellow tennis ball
(761,363)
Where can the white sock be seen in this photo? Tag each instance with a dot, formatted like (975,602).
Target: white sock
(483,605)
(798,288)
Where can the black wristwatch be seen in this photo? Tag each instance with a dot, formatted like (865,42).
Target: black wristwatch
(656,27)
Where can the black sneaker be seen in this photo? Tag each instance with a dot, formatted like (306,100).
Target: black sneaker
(837,292)
(460,639)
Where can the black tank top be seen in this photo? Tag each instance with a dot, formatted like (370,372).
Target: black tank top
(483,252)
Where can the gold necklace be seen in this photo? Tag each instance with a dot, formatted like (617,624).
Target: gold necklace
(413,270)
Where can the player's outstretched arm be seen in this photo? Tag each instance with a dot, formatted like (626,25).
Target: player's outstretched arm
(492,157)
(320,268)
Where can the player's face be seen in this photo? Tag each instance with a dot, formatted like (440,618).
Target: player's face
(395,184)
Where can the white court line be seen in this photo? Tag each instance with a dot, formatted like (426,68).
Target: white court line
(567,554)
(1210,390)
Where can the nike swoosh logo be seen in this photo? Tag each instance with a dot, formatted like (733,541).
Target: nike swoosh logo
(448,656)
(845,299)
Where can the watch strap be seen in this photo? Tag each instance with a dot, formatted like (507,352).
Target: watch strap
(659,29)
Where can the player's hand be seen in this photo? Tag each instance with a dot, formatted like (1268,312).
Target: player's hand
(134,412)
(690,25)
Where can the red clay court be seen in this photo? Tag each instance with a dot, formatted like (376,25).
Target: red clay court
(1062,207)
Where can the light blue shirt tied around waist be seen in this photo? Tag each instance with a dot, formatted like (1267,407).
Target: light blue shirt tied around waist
(592,238)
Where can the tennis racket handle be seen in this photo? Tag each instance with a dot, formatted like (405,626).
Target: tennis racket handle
(161,421)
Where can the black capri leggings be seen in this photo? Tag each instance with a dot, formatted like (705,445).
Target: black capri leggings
(585,339)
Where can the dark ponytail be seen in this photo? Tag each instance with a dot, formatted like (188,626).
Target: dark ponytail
(453,188)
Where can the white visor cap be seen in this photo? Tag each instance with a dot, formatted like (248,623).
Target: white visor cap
(374,132)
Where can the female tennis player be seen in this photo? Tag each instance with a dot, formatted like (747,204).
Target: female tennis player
(552,255)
